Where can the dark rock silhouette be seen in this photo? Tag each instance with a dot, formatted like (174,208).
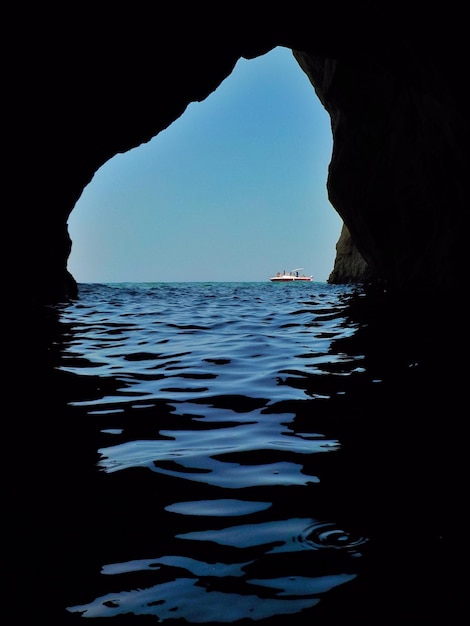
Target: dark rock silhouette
(90,86)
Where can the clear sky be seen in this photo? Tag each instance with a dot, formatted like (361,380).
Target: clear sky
(233,190)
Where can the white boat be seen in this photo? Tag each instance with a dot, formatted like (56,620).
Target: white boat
(292,276)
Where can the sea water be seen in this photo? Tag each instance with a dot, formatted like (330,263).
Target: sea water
(238,453)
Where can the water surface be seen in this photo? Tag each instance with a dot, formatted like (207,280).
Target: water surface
(230,453)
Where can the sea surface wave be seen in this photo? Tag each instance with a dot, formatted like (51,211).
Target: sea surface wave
(240,452)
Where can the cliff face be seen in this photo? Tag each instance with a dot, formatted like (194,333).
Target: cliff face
(395,177)
(350,266)
(87,87)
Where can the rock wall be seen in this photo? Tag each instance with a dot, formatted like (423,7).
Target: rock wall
(395,177)
(350,266)
(87,86)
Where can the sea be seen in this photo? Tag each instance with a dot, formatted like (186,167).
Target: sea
(243,453)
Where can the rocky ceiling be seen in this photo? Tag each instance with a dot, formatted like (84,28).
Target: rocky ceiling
(82,86)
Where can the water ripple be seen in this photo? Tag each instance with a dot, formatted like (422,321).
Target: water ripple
(207,401)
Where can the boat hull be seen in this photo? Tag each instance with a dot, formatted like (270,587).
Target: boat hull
(291,279)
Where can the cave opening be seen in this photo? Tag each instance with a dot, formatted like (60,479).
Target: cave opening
(233,190)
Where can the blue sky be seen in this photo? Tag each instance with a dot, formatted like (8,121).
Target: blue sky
(233,190)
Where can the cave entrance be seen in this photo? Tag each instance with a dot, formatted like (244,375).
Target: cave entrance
(233,190)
